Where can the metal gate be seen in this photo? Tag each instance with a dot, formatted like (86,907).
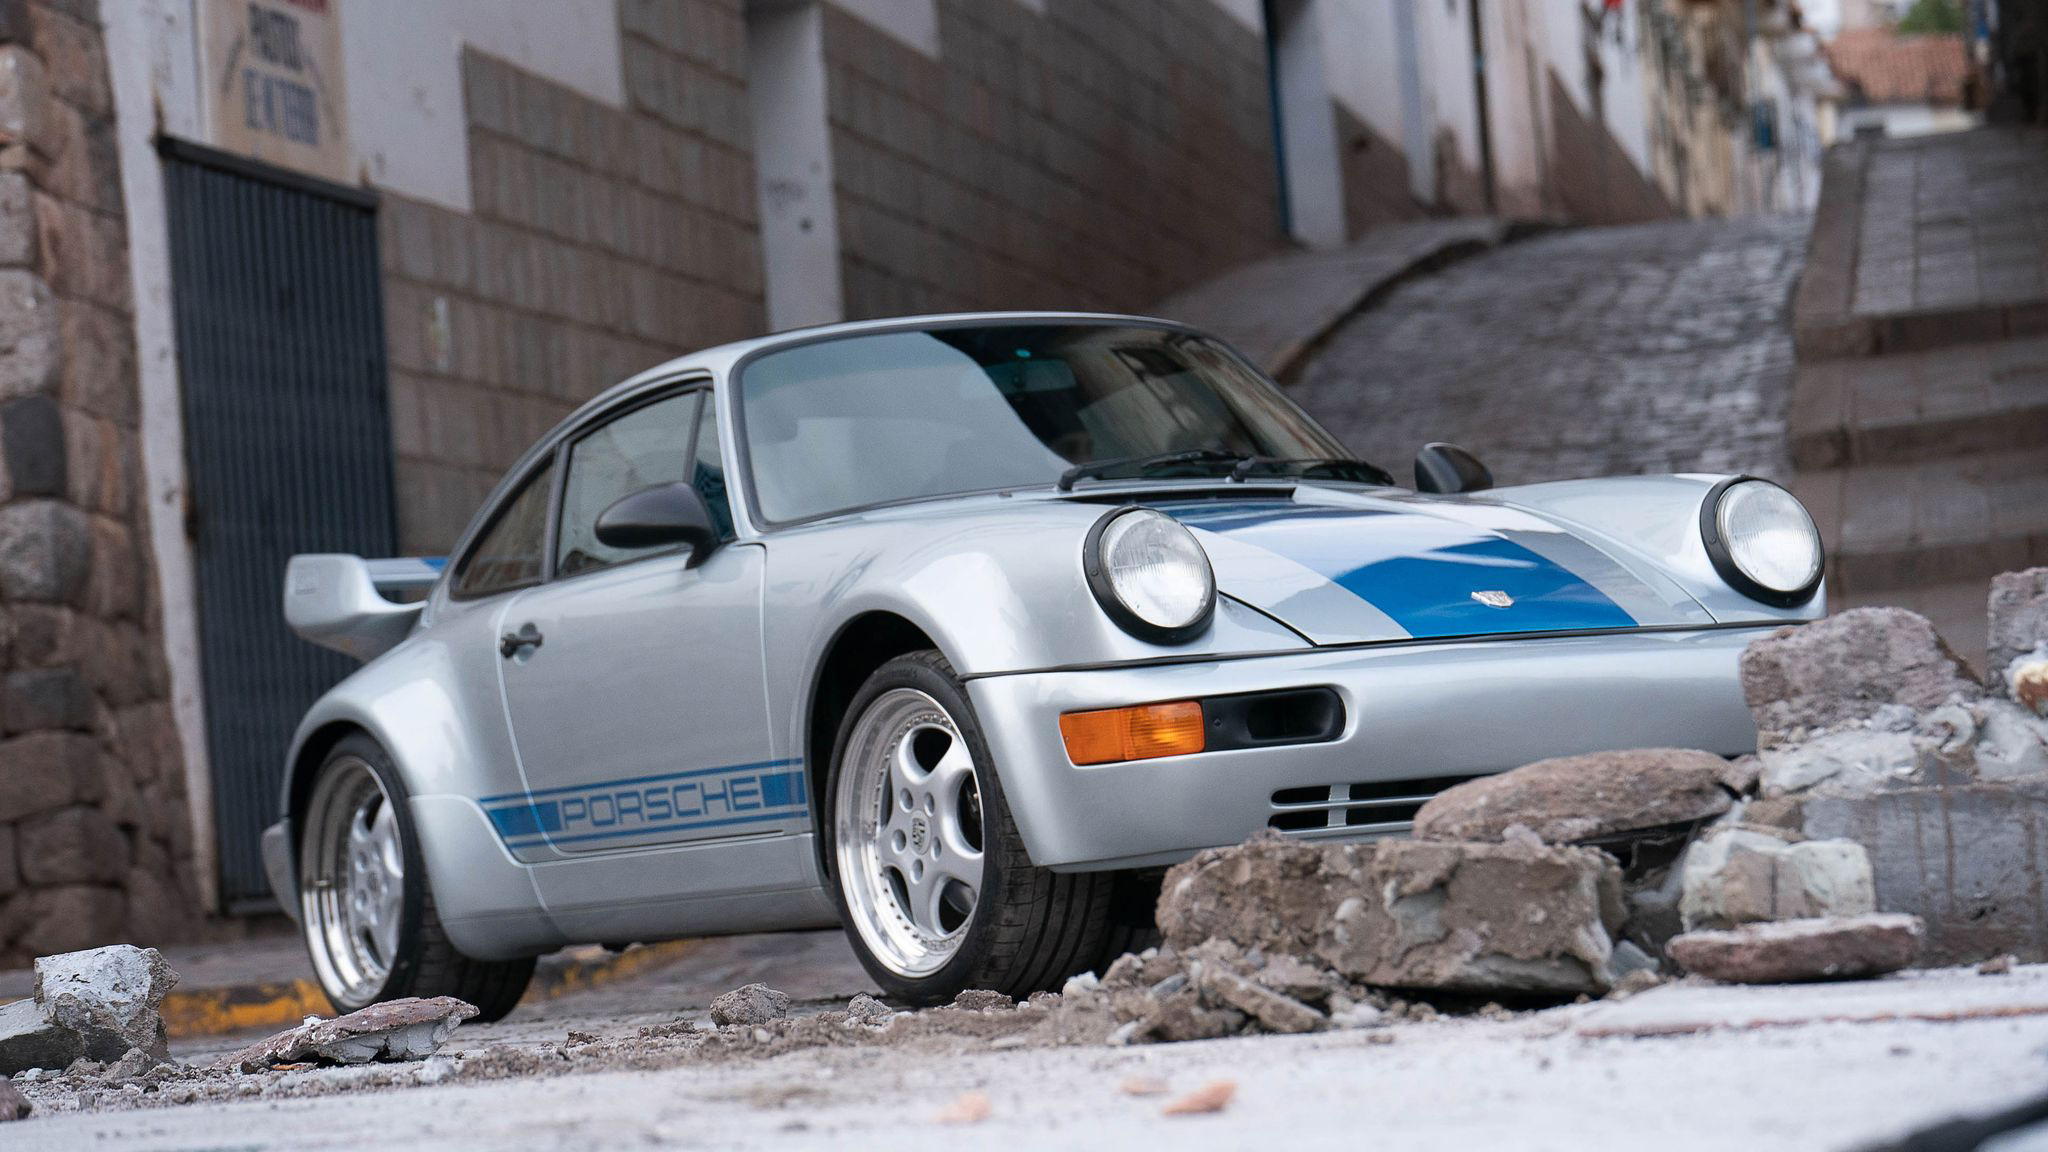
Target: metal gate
(280,330)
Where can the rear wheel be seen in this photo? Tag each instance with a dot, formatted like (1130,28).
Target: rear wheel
(933,882)
(364,907)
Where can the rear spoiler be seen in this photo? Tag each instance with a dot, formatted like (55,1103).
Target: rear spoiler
(339,601)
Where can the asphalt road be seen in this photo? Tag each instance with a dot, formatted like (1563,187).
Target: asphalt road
(1824,1066)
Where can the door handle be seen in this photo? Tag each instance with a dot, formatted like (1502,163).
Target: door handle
(527,637)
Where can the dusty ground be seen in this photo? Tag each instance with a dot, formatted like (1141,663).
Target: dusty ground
(1816,1067)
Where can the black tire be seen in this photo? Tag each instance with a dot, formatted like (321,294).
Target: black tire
(1032,928)
(427,963)
(1133,915)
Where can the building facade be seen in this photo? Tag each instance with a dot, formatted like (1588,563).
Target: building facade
(300,275)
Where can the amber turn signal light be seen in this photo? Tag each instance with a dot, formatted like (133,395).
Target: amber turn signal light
(1140,733)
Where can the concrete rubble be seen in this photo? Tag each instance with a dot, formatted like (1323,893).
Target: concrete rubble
(1578,798)
(13,1105)
(1740,875)
(750,1005)
(94,1005)
(1793,951)
(398,1030)
(1838,672)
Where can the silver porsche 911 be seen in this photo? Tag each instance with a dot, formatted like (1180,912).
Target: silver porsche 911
(955,631)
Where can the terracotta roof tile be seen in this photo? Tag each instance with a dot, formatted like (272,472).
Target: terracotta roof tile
(1891,69)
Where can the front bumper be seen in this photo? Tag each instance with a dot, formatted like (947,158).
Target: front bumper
(1412,712)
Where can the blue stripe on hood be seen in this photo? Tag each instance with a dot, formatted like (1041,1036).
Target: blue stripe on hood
(1419,569)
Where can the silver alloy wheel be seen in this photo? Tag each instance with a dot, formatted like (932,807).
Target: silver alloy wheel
(352,881)
(907,832)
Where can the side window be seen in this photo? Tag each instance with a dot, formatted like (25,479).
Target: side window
(649,445)
(509,554)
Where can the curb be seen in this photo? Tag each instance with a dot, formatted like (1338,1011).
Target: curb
(228,1009)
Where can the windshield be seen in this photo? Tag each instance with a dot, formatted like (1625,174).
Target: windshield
(898,416)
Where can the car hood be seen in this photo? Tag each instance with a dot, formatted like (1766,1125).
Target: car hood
(1342,568)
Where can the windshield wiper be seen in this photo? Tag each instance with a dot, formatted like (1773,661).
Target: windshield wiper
(1140,463)
(1372,473)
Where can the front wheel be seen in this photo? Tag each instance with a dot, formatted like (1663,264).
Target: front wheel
(364,906)
(932,879)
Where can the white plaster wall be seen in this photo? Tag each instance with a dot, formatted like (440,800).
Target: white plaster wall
(1447,76)
(1361,61)
(914,22)
(152,53)
(404,62)
(799,215)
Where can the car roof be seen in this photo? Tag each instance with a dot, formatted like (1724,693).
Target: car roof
(721,359)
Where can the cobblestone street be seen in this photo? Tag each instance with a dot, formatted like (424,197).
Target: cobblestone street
(1595,351)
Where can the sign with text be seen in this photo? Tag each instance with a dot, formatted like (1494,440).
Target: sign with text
(275,83)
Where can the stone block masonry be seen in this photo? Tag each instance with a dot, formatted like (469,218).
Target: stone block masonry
(603,241)
(95,832)
(1101,155)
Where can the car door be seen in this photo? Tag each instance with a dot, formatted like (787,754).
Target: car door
(633,678)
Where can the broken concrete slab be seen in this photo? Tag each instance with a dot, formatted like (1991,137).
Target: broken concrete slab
(408,1029)
(1799,951)
(110,997)
(1965,859)
(1269,893)
(1743,876)
(1574,798)
(13,1105)
(1516,917)
(30,1039)
(1839,671)
(1853,761)
(750,1005)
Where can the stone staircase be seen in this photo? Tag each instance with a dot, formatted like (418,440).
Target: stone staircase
(1919,422)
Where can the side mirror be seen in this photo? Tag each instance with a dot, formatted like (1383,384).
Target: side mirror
(1449,468)
(662,515)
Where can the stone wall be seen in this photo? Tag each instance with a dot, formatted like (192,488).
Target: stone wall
(1101,155)
(603,241)
(95,833)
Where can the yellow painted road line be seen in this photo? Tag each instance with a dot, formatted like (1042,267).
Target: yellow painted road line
(272,1005)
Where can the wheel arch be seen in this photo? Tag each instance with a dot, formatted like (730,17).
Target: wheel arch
(863,644)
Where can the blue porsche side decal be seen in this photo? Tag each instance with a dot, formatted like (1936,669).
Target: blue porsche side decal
(658,807)
(1431,575)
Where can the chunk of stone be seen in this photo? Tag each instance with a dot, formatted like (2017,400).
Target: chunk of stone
(980,1000)
(13,1105)
(1744,876)
(1574,798)
(2017,614)
(1839,671)
(1797,951)
(1852,762)
(30,1039)
(408,1029)
(750,1004)
(110,997)
(1298,979)
(1223,987)
(1268,893)
(866,1008)
(1516,917)
(2011,742)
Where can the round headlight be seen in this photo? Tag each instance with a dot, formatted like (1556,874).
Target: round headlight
(1762,541)
(1150,575)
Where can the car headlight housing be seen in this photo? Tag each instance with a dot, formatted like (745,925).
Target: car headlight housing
(1762,541)
(1150,575)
